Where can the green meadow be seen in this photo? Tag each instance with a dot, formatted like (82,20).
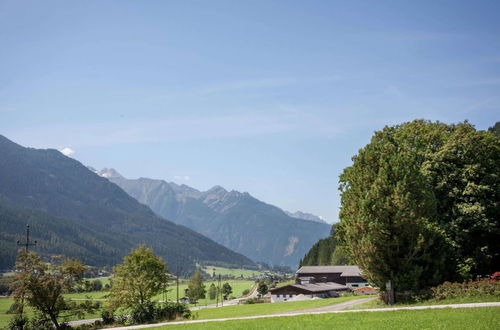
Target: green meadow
(5,318)
(232,272)
(238,287)
(377,303)
(266,308)
(456,319)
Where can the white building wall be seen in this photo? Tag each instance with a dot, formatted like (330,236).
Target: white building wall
(282,297)
(357,285)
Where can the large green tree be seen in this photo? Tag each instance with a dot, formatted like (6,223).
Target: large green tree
(196,288)
(140,277)
(212,291)
(262,288)
(465,178)
(226,290)
(42,285)
(420,204)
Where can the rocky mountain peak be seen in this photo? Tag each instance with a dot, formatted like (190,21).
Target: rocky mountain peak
(109,173)
(306,216)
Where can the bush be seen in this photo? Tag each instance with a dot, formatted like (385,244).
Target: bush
(246,291)
(481,288)
(253,301)
(159,312)
(15,308)
(143,314)
(18,322)
(107,317)
(171,311)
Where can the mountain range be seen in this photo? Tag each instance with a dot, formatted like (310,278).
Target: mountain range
(240,222)
(306,216)
(74,211)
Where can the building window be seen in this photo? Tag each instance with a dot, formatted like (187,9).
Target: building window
(354,285)
(277,296)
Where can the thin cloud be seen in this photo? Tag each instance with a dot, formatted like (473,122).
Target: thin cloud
(282,121)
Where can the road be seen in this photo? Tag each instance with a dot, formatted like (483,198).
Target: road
(309,312)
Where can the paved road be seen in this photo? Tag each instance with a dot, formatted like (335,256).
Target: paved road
(318,312)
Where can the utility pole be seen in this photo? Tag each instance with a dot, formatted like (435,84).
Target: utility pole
(220,290)
(177,281)
(27,244)
(217,295)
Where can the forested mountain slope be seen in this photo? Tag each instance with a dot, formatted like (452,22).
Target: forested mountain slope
(96,215)
(236,220)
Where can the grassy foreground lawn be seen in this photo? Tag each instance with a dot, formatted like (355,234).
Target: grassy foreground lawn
(466,318)
(379,304)
(266,308)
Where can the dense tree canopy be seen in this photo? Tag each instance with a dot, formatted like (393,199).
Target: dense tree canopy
(226,290)
(420,204)
(196,288)
(262,288)
(42,285)
(495,129)
(212,291)
(326,251)
(140,277)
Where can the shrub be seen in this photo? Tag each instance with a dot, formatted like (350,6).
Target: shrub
(246,291)
(18,322)
(15,308)
(143,313)
(253,301)
(107,317)
(171,311)
(481,288)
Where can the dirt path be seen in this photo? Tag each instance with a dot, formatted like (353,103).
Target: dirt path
(472,305)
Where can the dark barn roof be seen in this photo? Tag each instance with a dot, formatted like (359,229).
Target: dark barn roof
(343,270)
(310,288)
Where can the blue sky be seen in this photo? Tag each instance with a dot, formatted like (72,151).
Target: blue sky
(269,97)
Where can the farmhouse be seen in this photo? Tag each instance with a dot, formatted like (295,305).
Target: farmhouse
(321,282)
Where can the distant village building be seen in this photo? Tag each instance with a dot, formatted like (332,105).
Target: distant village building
(321,282)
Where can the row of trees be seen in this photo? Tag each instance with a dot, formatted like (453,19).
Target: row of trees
(327,251)
(421,203)
(41,285)
(135,283)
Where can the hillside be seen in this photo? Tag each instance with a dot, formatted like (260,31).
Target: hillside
(87,216)
(236,220)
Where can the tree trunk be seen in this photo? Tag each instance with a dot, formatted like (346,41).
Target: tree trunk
(53,318)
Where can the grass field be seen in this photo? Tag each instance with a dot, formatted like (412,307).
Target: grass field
(266,308)
(5,318)
(379,304)
(470,318)
(285,283)
(238,287)
(232,272)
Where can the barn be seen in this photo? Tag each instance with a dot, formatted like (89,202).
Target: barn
(321,281)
